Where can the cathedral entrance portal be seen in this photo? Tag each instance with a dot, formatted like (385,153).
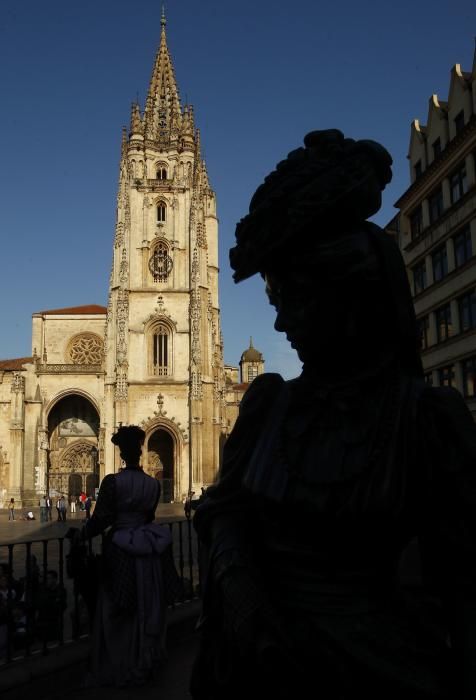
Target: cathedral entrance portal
(73,430)
(160,462)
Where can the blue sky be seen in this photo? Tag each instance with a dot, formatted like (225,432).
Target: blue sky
(260,75)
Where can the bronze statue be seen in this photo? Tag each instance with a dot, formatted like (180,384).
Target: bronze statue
(328,478)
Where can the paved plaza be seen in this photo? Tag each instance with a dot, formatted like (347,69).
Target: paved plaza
(24,530)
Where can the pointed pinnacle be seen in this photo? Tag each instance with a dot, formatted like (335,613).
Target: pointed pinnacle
(136,122)
(124,141)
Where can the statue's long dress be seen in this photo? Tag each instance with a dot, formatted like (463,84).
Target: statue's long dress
(129,621)
(322,490)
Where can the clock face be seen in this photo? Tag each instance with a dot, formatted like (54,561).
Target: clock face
(160,264)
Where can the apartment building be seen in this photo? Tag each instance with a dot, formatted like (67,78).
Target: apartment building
(436,231)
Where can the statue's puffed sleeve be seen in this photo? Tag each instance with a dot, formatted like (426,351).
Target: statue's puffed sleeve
(448,519)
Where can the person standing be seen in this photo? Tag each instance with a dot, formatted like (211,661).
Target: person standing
(87,507)
(58,509)
(62,508)
(11,509)
(72,503)
(49,507)
(43,509)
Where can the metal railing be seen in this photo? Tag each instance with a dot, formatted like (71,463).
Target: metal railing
(40,609)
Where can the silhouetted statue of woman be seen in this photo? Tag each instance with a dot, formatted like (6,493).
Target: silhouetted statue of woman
(328,478)
(128,635)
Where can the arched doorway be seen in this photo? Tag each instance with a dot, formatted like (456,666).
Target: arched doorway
(160,462)
(73,432)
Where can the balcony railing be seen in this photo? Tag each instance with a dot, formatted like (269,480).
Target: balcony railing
(34,618)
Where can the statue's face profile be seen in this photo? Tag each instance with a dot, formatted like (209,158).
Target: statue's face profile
(324,320)
(307,312)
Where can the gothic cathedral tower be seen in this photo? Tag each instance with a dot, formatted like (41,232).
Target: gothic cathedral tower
(163,344)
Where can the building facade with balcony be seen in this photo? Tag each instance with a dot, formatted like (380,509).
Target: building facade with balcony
(436,232)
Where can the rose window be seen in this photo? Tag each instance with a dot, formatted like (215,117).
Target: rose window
(86,349)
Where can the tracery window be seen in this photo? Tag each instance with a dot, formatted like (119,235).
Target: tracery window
(161,173)
(161,212)
(161,350)
(86,349)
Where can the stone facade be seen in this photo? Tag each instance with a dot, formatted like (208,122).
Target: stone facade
(436,231)
(154,355)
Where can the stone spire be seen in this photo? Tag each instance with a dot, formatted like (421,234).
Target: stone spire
(162,108)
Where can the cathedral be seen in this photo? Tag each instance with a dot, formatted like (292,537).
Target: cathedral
(152,357)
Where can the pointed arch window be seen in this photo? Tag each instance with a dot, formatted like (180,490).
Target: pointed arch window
(161,212)
(161,355)
(161,173)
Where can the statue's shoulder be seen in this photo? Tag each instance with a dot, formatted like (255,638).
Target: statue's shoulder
(447,427)
(444,402)
(263,388)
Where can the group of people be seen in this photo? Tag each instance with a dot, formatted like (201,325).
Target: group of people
(31,608)
(45,503)
(83,501)
(26,515)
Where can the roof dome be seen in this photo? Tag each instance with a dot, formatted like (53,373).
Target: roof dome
(251,354)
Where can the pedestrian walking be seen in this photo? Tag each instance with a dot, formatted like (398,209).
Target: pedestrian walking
(43,510)
(11,509)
